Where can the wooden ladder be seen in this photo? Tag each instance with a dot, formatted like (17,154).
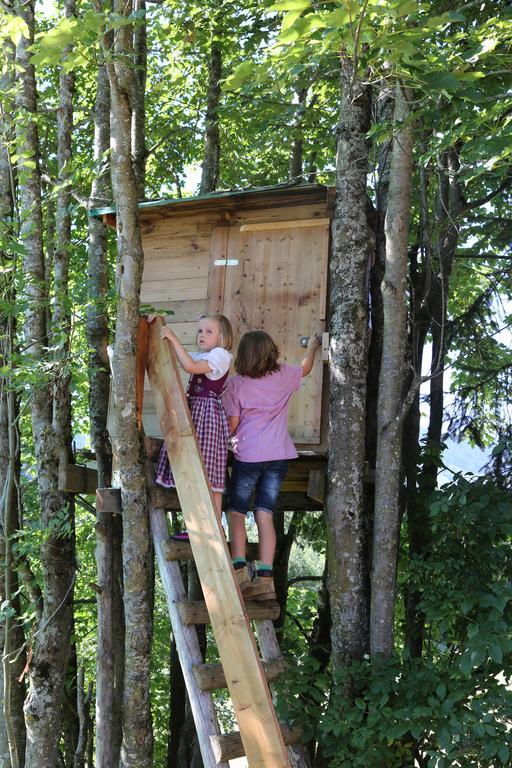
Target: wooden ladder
(261,737)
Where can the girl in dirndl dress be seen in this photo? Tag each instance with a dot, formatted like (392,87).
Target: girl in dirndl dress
(209,368)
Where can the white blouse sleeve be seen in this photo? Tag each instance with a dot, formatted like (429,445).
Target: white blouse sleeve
(219,360)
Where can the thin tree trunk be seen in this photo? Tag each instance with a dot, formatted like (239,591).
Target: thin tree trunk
(211,158)
(448,208)
(12,726)
(177,696)
(70,721)
(97,309)
(110,656)
(390,401)
(281,562)
(319,645)
(137,746)
(140,58)
(61,327)
(83,704)
(418,530)
(296,172)
(351,252)
(43,707)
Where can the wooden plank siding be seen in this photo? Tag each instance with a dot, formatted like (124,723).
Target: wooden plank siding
(279,284)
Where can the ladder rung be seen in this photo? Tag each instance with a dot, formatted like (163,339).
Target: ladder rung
(211,676)
(195,612)
(228,746)
(181,550)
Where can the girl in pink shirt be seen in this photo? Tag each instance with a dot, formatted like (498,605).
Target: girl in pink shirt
(256,404)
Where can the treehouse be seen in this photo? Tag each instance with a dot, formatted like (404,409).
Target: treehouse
(260,257)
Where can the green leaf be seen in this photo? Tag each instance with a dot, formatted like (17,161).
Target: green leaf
(291,5)
(496,653)
(338,18)
(441,691)
(290,18)
(14,28)
(442,81)
(241,75)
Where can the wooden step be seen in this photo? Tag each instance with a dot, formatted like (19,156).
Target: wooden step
(289,501)
(195,612)
(211,676)
(181,550)
(228,746)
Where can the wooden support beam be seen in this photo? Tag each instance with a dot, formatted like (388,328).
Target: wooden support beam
(250,695)
(141,342)
(74,478)
(108,501)
(153,446)
(316,485)
(211,676)
(181,550)
(165,498)
(229,746)
(196,612)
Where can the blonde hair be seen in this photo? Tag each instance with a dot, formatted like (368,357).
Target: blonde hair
(256,355)
(226,331)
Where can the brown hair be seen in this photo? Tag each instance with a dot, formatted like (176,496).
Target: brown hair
(256,355)
(226,331)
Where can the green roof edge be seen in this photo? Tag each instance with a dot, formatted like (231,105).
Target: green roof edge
(209,196)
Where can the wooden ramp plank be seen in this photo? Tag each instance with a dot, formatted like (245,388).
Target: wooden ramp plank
(254,710)
(187,644)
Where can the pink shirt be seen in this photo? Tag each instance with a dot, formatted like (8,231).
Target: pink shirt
(262,406)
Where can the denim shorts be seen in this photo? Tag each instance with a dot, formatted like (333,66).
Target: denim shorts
(263,477)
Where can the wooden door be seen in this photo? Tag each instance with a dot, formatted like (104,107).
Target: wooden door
(273,277)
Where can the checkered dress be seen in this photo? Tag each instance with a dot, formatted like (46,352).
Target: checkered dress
(212,432)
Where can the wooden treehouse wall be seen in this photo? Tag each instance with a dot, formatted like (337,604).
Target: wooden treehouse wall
(263,266)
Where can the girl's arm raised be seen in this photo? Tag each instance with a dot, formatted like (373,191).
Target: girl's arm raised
(186,362)
(308,362)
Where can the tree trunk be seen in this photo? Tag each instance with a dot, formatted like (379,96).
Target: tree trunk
(137,746)
(177,696)
(210,173)
(418,531)
(296,172)
(97,280)
(12,726)
(448,208)
(70,722)
(43,706)
(351,252)
(281,561)
(140,59)
(83,704)
(110,656)
(390,400)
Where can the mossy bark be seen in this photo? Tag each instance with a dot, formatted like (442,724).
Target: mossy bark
(352,248)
